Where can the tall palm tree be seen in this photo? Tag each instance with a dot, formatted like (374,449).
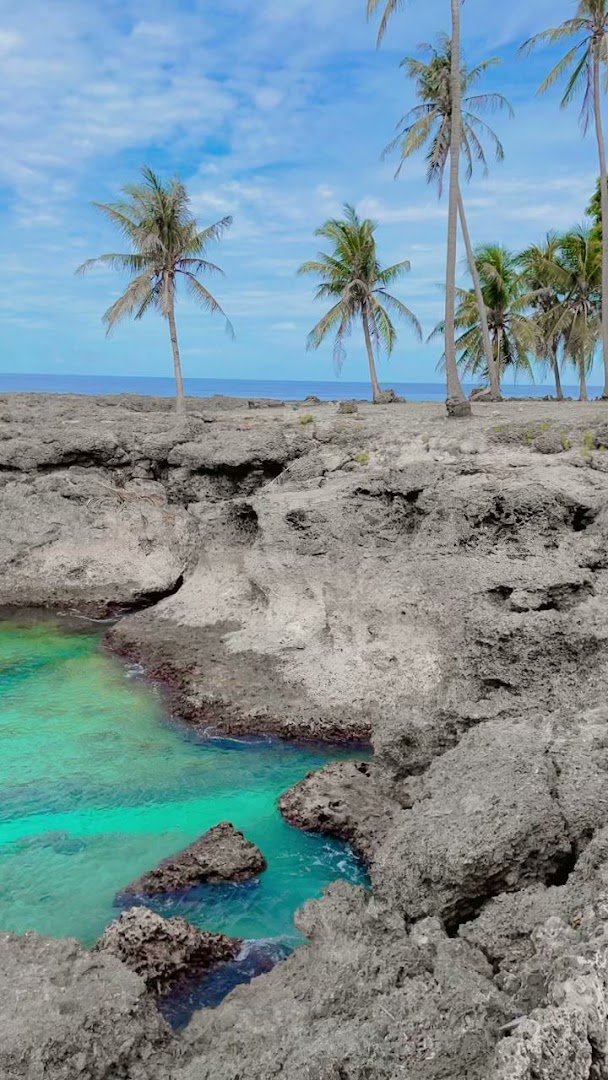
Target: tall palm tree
(583,61)
(537,265)
(575,273)
(429,124)
(512,332)
(167,246)
(352,277)
(457,403)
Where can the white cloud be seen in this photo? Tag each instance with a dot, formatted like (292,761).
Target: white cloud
(276,113)
(395,215)
(267,97)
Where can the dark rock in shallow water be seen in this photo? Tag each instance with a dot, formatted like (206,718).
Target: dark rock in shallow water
(164,951)
(207,992)
(219,856)
(340,800)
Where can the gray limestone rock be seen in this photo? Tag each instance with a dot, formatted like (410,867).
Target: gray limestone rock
(341,800)
(485,821)
(453,611)
(550,442)
(67,1014)
(164,951)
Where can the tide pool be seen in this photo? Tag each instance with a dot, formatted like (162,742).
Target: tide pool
(97,785)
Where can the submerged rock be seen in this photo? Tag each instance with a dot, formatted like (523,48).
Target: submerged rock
(165,951)
(219,856)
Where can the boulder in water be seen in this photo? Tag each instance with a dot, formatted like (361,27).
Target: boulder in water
(164,951)
(220,856)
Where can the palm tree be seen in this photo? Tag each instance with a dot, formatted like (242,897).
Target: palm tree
(583,61)
(167,246)
(457,403)
(429,124)
(575,273)
(544,298)
(352,277)
(513,334)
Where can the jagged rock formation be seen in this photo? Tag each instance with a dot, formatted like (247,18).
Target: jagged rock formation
(343,800)
(67,1014)
(221,855)
(437,587)
(163,951)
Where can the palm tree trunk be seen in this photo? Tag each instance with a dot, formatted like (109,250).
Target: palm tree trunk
(457,404)
(583,396)
(376,389)
(177,363)
(601,146)
(493,372)
(557,374)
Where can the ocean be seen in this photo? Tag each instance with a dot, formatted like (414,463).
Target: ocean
(278,389)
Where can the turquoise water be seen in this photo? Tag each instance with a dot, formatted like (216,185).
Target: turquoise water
(97,785)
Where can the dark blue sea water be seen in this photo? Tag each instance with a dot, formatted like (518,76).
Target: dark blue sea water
(243,388)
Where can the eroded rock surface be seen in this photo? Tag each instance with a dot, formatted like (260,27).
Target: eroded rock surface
(67,1014)
(343,800)
(221,855)
(437,587)
(382,1001)
(163,951)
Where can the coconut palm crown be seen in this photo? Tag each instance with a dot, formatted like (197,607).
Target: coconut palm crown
(352,277)
(584,67)
(575,273)
(538,266)
(429,122)
(457,404)
(513,332)
(167,247)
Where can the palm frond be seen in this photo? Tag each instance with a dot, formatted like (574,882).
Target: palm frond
(391,7)
(131,300)
(132,263)
(206,300)
(397,307)
(167,246)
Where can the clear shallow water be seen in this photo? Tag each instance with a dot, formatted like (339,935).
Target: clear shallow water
(96,786)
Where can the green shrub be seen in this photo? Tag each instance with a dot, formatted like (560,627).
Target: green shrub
(362,458)
(307,419)
(589,440)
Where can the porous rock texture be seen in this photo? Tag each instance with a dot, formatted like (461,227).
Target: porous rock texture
(220,855)
(436,586)
(163,951)
(67,1014)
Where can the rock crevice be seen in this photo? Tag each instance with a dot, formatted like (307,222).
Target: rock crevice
(364,577)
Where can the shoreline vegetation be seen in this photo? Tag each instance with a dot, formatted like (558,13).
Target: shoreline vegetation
(540,308)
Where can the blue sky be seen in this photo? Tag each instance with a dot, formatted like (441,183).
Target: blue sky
(276,112)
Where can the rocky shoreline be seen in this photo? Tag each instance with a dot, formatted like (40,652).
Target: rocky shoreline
(437,587)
